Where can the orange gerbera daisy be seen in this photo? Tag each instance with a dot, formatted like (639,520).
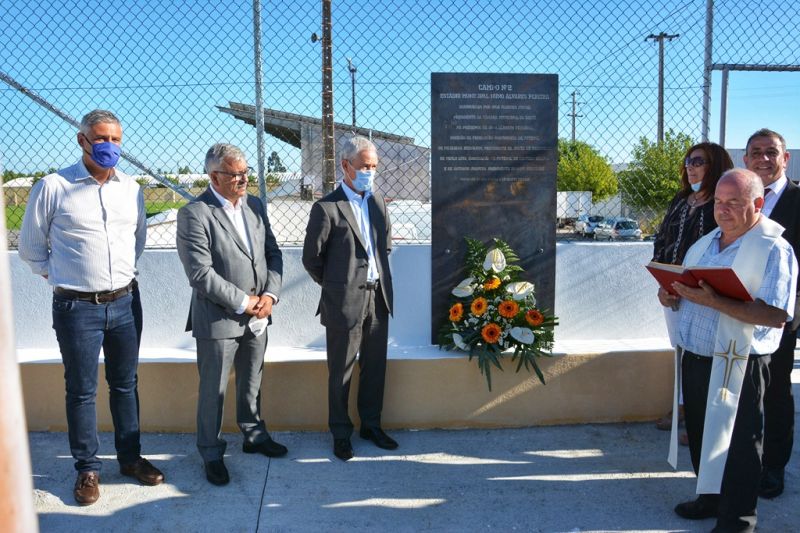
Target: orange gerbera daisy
(491,333)
(479,306)
(456,312)
(534,317)
(491,283)
(508,308)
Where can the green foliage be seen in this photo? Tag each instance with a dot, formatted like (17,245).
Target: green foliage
(582,168)
(184,170)
(653,177)
(274,163)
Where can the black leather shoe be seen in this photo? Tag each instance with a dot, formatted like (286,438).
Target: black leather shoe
(771,483)
(143,472)
(343,449)
(702,507)
(216,473)
(269,447)
(381,439)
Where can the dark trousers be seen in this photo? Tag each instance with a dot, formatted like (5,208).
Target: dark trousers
(368,339)
(215,357)
(739,492)
(82,328)
(779,405)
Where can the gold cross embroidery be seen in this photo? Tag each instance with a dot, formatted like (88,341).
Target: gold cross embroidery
(729,356)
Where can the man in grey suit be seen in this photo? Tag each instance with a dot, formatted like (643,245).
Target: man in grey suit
(235,268)
(346,251)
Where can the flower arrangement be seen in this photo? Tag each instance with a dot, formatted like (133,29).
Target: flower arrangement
(494,312)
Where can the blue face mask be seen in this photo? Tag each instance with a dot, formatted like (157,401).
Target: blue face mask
(105,154)
(363,181)
(696,186)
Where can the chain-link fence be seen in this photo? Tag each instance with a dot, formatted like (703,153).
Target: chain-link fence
(181,77)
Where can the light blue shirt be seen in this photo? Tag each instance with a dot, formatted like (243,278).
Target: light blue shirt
(360,207)
(82,235)
(697,326)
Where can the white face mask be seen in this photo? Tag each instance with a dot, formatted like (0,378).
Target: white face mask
(364,180)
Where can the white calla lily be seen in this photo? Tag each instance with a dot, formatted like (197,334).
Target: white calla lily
(458,340)
(495,260)
(520,290)
(523,335)
(464,289)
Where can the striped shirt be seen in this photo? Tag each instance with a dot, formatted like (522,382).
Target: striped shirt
(698,323)
(82,235)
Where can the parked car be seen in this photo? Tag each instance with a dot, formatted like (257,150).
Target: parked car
(618,229)
(586,224)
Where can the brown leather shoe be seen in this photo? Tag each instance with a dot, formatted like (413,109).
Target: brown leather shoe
(144,472)
(87,488)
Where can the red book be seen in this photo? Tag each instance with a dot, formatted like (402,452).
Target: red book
(722,279)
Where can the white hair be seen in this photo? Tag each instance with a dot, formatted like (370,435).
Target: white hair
(219,153)
(352,146)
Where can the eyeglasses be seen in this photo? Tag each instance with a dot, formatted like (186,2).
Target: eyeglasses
(694,161)
(236,176)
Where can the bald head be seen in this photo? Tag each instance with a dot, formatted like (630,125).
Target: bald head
(738,199)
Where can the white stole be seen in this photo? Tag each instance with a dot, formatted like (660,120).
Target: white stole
(731,351)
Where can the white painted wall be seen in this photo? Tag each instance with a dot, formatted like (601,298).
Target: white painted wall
(603,293)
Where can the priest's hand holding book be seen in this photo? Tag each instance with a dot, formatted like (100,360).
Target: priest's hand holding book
(730,296)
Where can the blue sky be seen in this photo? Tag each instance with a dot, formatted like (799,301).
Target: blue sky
(165,65)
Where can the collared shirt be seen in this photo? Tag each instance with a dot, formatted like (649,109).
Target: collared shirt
(82,235)
(236,215)
(360,207)
(698,323)
(777,187)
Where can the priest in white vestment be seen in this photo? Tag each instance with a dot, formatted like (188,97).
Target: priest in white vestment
(723,352)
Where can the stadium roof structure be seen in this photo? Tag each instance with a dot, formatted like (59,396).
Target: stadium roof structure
(288,126)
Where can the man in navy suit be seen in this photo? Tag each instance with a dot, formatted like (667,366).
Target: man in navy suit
(766,155)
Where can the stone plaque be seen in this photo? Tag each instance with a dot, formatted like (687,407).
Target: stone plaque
(494,152)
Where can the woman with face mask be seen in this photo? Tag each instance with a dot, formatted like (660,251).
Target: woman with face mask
(689,216)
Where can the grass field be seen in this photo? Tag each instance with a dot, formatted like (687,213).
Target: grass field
(14,213)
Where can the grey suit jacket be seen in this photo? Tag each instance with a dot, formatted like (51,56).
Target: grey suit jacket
(335,256)
(219,267)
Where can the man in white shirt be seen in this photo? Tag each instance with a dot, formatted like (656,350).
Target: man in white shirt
(766,155)
(84,229)
(235,269)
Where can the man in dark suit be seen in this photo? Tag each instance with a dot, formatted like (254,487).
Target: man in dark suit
(235,269)
(346,251)
(766,155)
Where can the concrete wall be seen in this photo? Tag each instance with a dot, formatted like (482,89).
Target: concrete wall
(612,364)
(603,295)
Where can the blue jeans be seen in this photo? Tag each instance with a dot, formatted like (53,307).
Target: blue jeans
(82,328)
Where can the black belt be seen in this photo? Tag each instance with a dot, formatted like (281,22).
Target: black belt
(102,297)
(372,285)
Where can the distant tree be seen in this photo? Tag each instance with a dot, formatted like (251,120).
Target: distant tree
(582,168)
(652,178)
(274,163)
(184,170)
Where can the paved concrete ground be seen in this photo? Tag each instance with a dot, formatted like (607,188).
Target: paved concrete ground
(611,477)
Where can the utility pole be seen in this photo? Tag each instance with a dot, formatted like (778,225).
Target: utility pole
(352,70)
(660,38)
(574,114)
(328,138)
